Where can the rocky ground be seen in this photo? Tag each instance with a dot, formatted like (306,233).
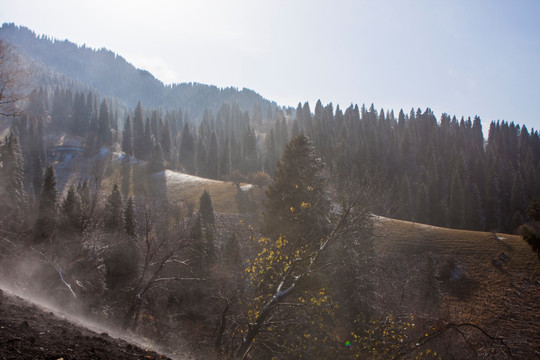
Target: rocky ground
(29,331)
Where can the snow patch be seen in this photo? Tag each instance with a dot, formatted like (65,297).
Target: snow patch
(117,155)
(181,178)
(246,187)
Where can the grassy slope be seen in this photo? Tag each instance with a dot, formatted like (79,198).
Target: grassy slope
(505,299)
(474,248)
(181,187)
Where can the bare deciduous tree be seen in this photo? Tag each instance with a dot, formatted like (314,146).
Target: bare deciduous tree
(164,235)
(13,81)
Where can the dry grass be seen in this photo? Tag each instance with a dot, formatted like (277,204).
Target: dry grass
(179,187)
(473,248)
(503,273)
(183,187)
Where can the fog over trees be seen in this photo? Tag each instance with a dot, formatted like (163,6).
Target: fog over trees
(291,267)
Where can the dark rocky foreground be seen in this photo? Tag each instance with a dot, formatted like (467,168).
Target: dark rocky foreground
(28,331)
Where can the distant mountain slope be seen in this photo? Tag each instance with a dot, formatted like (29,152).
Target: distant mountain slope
(112,75)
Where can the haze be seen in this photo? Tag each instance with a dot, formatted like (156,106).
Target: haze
(460,57)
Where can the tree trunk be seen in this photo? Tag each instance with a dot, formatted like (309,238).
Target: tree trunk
(222,326)
(132,313)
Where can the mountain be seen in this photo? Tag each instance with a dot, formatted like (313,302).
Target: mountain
(112,75)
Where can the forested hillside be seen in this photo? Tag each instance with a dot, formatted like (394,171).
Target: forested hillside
(435,171)
(112,75)
(446,171)
(440,172)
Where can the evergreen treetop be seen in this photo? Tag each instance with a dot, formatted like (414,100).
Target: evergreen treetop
(297,205)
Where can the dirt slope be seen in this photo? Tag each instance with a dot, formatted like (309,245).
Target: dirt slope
(28,331)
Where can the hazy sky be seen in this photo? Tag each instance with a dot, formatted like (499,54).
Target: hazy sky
(460,57)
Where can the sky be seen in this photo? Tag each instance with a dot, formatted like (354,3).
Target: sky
(462,57)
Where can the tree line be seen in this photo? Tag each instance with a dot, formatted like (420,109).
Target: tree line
(441,172)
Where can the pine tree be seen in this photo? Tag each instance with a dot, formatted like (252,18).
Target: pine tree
(15,201)
(201,158)
(166,142)
(71,212)
(148,141)
(518,201)
(249,151)
(225,162)
(271,156)
(104,126)
(206,208)
(213,159)
(138,132)
(187,150)
(257,115)
(47,213)
(79,119)
(199,246)
(422,205)
(156,163)
(155,126)
(127,138)
(456,209)
(236,153)
(531,231)
(476,219)
(493,202)
(113,212)
(61,108)
(297,205)
(203,236)
(295,131)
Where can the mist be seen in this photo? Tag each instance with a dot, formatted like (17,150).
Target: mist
(206,222)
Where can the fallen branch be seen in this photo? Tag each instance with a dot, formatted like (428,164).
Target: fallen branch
(59,270)
(457,327)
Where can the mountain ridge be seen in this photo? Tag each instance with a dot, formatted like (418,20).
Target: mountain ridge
(113,75)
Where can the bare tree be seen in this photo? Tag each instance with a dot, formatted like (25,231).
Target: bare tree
(13,81)
(164,234)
